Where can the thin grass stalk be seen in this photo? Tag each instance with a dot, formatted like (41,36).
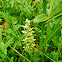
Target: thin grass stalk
(47,56)
(0,35)
(47,31)
(58,51)
(44,10)
(20,54)
(45,6)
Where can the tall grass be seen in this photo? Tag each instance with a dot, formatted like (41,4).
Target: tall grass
(23,21)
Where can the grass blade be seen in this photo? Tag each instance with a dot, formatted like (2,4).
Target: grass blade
(20,54)
(0,34)
(36,54)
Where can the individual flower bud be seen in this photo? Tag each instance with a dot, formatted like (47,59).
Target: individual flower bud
(27,22)
(23,31)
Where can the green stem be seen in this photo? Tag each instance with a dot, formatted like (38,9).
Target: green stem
(51,5)
(47,33)
(44,6)
(44,10)
(20,54)
(0,35)
(47,56)
(58,51)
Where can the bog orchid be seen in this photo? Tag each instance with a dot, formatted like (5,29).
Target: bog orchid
(29,44)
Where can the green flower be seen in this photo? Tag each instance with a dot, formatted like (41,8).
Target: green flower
(29,44)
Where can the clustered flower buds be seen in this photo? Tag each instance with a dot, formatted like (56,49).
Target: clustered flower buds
(29,43)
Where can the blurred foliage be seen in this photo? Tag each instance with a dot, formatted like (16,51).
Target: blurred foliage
(46,19)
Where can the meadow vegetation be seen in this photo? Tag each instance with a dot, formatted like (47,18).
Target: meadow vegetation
(30,30)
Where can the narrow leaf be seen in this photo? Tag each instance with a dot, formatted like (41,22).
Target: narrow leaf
(8,43)
(0,34)
(37,53)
